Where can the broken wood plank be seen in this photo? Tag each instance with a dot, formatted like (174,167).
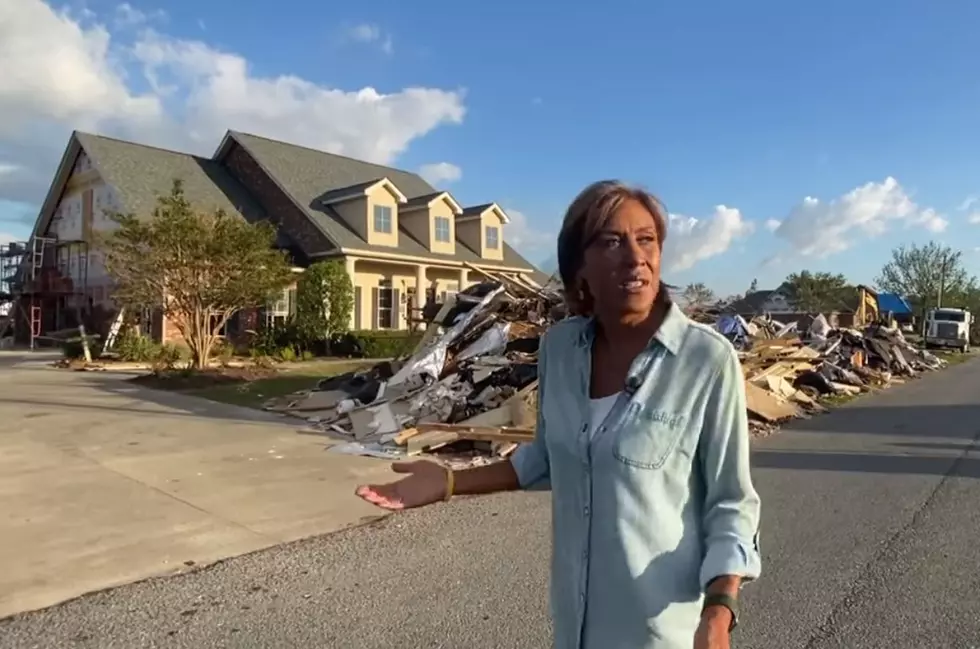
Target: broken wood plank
(766,405)
(402,437)
(430,440)
(483,433)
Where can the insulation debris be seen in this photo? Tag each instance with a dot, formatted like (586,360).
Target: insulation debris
(469,390)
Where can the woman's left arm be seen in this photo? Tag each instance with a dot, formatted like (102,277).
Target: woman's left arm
(731,505)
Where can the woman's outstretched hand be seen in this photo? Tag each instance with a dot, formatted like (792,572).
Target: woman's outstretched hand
(426,483)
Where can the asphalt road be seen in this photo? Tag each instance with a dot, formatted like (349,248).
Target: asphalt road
(870,530)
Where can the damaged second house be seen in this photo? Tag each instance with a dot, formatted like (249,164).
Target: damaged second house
(402,241)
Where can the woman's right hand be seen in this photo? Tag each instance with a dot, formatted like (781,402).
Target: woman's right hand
(426,483)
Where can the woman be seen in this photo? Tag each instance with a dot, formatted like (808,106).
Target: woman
(643,437)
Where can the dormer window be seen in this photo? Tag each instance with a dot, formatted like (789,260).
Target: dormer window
(493,237)
(442,231)
(382,219)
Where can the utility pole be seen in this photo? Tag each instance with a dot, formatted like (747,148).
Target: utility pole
(942,281)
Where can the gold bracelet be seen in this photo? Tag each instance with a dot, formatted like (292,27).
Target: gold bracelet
(450,483)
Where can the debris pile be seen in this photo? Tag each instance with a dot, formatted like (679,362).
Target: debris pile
(469,390)
(788,375)
(471,383)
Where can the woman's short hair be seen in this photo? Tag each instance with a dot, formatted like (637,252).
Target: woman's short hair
(585,218)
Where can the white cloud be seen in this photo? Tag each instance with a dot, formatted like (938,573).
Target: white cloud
(528,240)
(691,240)
(370,33)
(772,224)
(968,203)
(440,173)
(63,72)
(126,15)
(973,218)
(817,229)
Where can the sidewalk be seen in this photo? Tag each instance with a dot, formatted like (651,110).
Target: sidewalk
(103,483)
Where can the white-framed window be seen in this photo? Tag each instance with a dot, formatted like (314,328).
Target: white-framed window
(493,237)
(442,229)
(386,305)
(277,311)
(280,306)
(382,219)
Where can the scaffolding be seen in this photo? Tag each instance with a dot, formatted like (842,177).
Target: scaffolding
(43,288)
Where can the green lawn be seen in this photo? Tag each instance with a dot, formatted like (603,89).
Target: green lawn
(291,378)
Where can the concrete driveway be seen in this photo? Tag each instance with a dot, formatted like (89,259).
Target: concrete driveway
(103,483)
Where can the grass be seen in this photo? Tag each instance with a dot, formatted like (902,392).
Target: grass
(290,378)
(955,358)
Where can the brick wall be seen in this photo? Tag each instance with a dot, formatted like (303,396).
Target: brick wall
(281,209)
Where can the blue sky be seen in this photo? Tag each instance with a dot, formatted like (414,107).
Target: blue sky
(751,105)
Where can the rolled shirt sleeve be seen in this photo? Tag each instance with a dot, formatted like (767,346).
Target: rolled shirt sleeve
(731,512)
(530,461)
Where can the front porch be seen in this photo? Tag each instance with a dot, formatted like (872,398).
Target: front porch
(387,294)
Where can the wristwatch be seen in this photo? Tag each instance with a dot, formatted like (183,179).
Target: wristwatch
(720,599)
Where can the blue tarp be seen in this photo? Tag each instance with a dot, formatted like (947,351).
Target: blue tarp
(894,303)
(733,328)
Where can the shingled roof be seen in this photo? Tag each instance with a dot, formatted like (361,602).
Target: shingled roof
(142,173)
(309,176)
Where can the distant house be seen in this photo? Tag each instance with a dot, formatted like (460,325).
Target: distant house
(775,301)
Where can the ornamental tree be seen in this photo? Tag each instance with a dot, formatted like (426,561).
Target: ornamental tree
(198,267)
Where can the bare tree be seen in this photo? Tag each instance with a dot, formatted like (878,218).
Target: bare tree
(698,296)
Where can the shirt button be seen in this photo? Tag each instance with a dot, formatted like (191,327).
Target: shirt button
(586,510)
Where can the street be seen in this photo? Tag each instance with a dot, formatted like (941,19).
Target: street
(870,524)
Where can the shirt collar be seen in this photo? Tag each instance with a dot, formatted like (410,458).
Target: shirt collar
(670,334)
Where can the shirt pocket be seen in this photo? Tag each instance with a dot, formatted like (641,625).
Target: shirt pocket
(647,438)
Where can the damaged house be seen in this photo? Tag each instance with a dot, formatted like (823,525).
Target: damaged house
(403,242)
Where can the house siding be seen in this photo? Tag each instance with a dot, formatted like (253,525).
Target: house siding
(276,203)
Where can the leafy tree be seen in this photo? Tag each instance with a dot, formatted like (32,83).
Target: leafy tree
(921,273)
(324,301)
(199,268)
(819,292)
(698,296)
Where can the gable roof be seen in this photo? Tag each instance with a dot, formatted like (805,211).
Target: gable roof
(308,175)
(141,173)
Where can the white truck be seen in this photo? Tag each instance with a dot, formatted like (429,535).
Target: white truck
(947,327)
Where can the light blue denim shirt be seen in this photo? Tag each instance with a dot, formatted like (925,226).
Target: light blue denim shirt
(654,505)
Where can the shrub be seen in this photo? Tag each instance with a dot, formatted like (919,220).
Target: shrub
(224,351)
(270,338)
(134,347)
(287,354)
(387,344)
(170,355)
(324,303)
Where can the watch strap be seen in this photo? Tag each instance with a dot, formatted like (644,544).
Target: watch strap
(720,599)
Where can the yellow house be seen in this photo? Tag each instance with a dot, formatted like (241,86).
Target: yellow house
(401,240)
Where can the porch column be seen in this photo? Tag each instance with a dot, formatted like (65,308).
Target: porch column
(357,311)
(464,278)
(421,288)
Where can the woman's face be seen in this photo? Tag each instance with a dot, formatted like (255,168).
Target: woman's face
(622,264)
